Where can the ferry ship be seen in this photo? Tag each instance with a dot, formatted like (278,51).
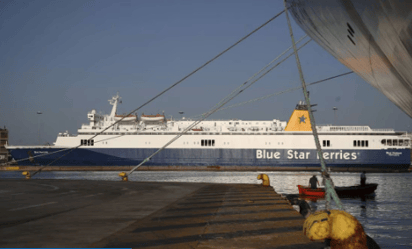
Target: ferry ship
(246,145)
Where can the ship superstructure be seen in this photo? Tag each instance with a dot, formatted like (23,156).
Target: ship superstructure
(221,144)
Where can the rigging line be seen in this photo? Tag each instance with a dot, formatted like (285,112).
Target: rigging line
(194,71)
(187,76)
(278,93)
(204,116)
(184,131)
(273,67)
(221,109)
(72,148)
(181,80)
(42,167)
(41,155)
(329,183)
(284,52)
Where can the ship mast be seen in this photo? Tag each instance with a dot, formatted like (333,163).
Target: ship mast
(114,101)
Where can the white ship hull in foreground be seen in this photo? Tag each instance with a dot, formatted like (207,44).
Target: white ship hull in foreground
(371,37)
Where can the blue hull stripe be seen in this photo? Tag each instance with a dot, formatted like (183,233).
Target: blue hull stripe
(217,157)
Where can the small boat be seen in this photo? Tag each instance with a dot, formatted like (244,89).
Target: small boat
(319,192)
(357,190)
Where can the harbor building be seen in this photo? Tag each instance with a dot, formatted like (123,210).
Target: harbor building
(4,138)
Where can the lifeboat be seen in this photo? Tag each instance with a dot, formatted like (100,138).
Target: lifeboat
(152,118)
(127,118)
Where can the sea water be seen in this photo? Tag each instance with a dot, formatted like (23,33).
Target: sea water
(386,217)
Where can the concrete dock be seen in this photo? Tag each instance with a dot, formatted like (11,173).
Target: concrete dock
(198,168)
(63,213)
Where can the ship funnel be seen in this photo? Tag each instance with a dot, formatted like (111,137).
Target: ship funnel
(299,120)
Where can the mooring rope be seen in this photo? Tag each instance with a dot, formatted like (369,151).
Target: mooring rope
(330,190)
(220,109)
(161,93)
(273,67)
(275,94)
(261,70)
(205,115)
(41,155)
(194,71)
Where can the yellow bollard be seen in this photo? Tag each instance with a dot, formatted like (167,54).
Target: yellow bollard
(344,230)
(27,174)
(123,176)
(265,180)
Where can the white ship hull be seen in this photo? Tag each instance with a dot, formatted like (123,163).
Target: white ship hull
(371,37)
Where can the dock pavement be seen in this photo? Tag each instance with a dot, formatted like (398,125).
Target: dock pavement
(74,213)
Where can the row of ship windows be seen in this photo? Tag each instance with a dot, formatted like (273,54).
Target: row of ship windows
(210,142)
(360,143)
(86,142)
(210,133)
(326,143)
(245,123)
(395,142)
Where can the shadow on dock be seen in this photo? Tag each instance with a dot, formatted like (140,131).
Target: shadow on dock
(52,213)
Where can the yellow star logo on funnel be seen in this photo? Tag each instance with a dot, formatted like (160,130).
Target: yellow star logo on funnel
(299,121)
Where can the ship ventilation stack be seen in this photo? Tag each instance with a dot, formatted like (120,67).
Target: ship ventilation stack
(299,120)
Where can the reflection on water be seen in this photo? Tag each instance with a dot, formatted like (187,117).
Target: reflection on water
(386,217)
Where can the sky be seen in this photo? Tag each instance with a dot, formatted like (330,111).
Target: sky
(65,58)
